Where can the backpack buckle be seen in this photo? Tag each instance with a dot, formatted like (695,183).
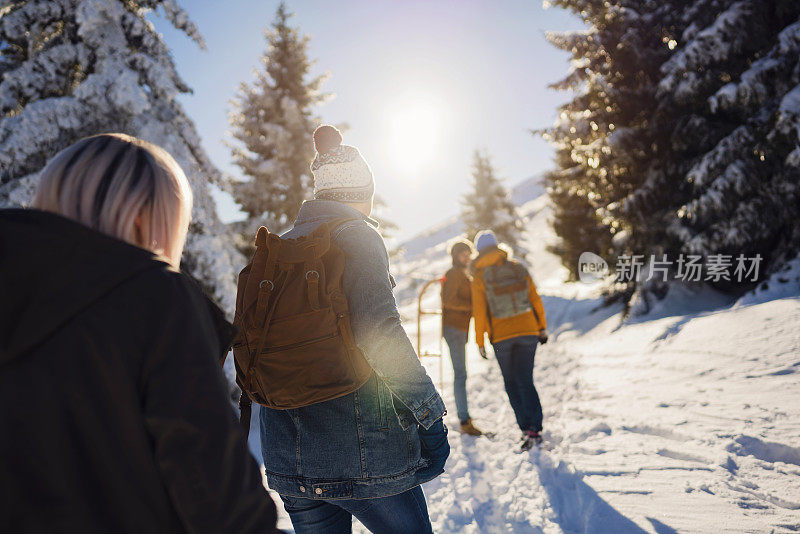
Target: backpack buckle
(267,282)
(314,273)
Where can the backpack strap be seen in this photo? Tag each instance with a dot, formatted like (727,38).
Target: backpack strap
(254,284)
(313,263)
(312,280)
(265,289)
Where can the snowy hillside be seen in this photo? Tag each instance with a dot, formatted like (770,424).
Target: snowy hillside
(685,420)
(425,256)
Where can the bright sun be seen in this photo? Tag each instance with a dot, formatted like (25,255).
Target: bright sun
(414,134)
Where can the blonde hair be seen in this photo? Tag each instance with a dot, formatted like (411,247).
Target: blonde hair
(124,187)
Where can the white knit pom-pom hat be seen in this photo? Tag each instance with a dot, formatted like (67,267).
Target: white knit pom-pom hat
(340,172)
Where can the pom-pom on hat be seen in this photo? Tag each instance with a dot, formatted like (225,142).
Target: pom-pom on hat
(485,240)
(326,137)
(340,172)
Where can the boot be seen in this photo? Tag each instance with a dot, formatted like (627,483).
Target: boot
(532,438)
(468,428)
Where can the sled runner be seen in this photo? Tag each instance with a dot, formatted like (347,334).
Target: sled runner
(420,313)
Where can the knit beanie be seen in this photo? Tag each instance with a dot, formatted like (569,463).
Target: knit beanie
(340,173)
(485,240)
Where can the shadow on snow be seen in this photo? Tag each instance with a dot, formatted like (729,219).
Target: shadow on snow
(577,506)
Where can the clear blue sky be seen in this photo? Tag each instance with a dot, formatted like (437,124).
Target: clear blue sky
(420,83)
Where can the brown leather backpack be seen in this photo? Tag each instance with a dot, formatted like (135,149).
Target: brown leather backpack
(294,346)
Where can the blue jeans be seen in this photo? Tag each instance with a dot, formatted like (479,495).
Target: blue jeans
(405,513)
(515,357)
(457,343)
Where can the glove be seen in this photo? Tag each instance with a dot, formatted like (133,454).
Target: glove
(482,352)
(543,336)
(435,449)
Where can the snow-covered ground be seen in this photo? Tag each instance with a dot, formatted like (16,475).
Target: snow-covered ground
(684,420)
(687,423)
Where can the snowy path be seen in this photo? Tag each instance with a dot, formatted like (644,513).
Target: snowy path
(488,485)
(684,423)
(684,420)
(491,487)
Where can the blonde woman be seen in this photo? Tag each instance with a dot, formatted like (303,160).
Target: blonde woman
(115,416)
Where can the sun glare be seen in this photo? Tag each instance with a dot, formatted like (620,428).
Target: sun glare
(414,135)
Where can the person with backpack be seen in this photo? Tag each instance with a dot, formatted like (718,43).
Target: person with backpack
(116,416)
(350,422)
(456,314)
(507,307)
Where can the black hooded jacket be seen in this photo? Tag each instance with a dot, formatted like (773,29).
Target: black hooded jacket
(114,415)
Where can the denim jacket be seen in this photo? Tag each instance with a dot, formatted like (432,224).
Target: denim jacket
(365,444)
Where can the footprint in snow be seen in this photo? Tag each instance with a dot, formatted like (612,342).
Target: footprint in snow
(656,431)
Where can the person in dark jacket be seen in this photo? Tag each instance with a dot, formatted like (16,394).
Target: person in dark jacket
(115,413)
(456,314)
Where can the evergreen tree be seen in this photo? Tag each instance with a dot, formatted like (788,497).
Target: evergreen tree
(488,205)
(683,138)
(736,76)
(606,137)
(273,124)
(574,220)
(80,67)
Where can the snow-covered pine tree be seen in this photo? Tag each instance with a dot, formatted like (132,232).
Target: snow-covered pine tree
(736,77)
(606,137)
(273,123)
(575,219)
(72,68)
(488,205)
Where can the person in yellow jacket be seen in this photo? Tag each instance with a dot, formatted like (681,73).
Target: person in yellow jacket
(507,307)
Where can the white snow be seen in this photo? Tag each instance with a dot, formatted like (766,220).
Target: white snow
(790,110)
(710,44)
(686,419)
